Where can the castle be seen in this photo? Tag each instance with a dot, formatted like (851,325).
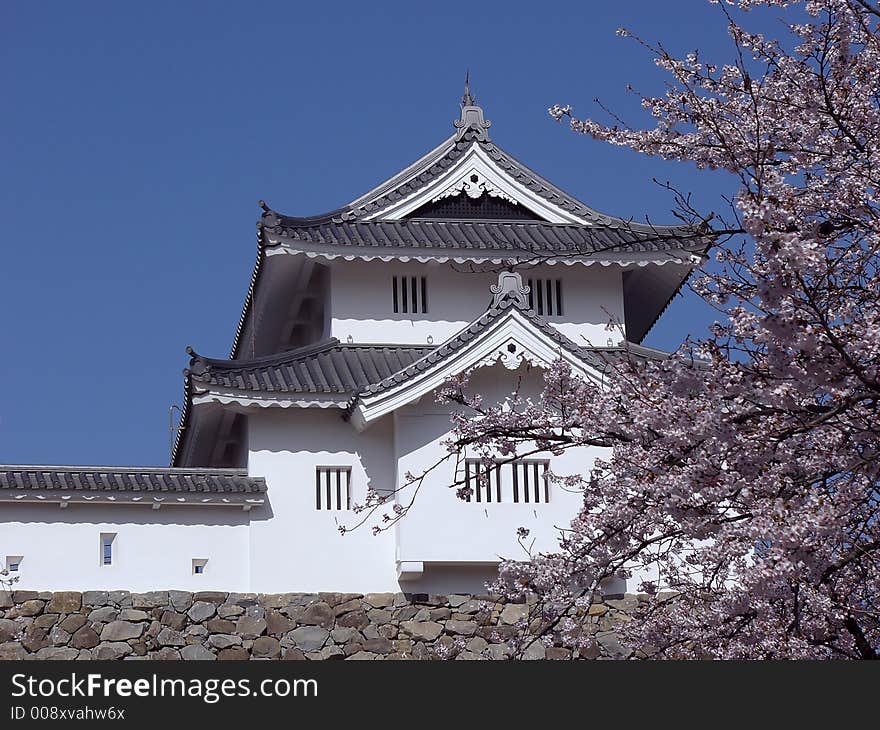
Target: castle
(465,261)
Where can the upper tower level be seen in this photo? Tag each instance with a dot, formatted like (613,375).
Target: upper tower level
(391,283)
(409,261)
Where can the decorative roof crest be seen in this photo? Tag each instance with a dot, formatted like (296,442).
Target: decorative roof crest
(509,286)
(471,115)
(474,185)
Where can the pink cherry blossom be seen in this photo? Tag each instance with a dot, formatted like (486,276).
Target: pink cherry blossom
(743,471)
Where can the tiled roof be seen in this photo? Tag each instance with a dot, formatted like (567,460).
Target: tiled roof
(519,237)
(437,162)
(331,368)
(598,357)
(17,479)
(349,371)
(326,367)
(344,229)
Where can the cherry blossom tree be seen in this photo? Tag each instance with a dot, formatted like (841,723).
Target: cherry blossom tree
(742,472)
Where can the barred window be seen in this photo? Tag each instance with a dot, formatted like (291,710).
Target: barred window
(530,482)
(545,296)
(483,480)
(524,481)
(409,294)
(333,487)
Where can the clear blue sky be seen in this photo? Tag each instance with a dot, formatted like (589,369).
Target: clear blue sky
(137,139)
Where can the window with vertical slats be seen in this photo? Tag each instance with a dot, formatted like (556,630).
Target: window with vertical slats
(484,481)
(545,296)
(333,487)
(524,481)
(530,483)
(409,294)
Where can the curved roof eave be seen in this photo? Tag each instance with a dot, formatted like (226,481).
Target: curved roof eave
(471,130)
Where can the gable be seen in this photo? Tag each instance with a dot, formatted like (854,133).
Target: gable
(475,174)
(511,340)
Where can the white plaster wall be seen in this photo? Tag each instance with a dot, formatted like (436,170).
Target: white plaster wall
(153,548)
(361,301)
(440,527)
(295,547)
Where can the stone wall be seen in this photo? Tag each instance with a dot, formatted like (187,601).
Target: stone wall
(215,625)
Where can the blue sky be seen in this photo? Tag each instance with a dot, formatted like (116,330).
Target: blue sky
(137,139)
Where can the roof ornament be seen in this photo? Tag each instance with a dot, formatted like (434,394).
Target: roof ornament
(197,364)
(467,99)
(471,116)
(509,286)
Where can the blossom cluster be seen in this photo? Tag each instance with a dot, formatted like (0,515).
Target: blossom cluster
(743,471)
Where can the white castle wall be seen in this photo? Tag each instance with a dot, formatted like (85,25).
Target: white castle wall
(62,547)
(361,301)
(288,545)
(294,546)
(440,526)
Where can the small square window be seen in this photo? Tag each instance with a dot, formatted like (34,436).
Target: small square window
(13,563)
(333,487)
(409,294)
(545,296)
(107,543)
(199,565)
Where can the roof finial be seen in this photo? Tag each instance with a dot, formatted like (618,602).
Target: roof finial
(467,99)
(509,287)
(471,119)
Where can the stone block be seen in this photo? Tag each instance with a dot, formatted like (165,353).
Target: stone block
(463,628)
(133,614)
(62,653)
(103,614)
(233,653)
(318,614)
(94,598)
(309,638)
(379,600)
(180,600)
(514,612)
(223,641)
(201,610)
(46,620)
(84,637)
(106,651)
(64,602)
(33,607)
(266,647)
(121,631)
(215,597)
(173,619)
(249,627)
(426,630)
(73,622)
(198,653)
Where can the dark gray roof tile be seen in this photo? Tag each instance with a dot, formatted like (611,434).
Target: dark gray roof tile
(598,357)
(522,238)
(22,479)
(328,368)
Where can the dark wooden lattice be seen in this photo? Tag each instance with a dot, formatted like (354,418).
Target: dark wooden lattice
(462,207)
